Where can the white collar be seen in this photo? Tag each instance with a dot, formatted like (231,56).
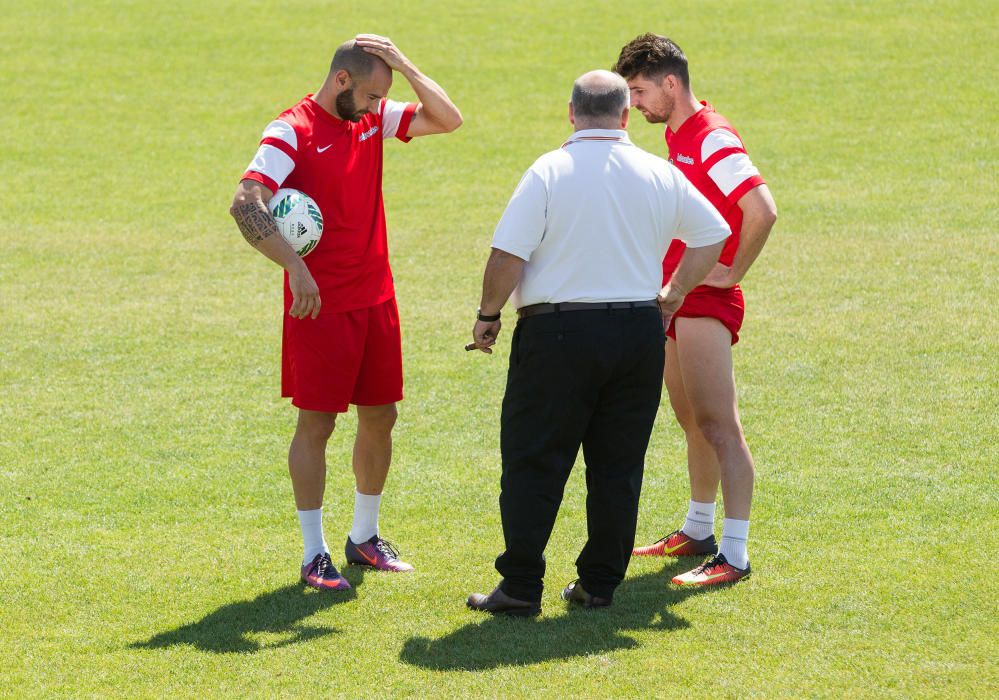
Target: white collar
(605,135)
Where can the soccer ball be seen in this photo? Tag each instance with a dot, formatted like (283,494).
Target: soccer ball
(298,219)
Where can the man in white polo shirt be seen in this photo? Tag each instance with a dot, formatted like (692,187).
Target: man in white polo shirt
(579,248)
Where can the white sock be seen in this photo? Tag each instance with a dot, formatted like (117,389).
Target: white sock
(735,533)
(700,522)
(311,522)
(365,517)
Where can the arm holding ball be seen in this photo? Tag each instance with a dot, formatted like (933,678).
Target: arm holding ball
(249,209)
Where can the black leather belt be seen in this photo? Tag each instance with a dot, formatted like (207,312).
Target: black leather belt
(535,309)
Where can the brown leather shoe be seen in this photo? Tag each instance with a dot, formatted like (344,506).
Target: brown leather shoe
(499,603)
(574,593)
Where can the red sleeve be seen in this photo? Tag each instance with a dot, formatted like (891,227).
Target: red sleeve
(276,156)
(262,179)
(402,133)
(745,186)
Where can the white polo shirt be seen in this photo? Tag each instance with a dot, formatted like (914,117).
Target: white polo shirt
(593,220)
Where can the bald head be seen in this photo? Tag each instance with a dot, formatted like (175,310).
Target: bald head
(356,61)
(599,100)
(356,83)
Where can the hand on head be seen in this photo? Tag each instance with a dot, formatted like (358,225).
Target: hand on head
(383,48)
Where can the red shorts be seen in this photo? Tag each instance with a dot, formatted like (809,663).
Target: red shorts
(342,358)
(726,305)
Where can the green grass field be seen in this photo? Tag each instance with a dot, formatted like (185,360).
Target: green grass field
(148,540)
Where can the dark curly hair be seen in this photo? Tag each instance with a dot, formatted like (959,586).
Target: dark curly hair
(652,56)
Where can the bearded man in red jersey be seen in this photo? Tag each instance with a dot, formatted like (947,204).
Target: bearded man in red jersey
(699,377)
(341,343)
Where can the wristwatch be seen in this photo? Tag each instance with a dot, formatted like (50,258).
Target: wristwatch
(486,319)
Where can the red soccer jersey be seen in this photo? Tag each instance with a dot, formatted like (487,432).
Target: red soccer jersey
(707,149)
(339,164)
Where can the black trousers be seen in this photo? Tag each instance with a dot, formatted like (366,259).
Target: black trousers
(590,378)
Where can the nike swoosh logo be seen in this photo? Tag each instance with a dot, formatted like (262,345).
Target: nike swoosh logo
(320,150)
(670,550)
(370,560)
(325,582)
(710,577)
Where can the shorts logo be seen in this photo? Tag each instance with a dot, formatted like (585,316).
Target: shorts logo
(371,132)
(687,160)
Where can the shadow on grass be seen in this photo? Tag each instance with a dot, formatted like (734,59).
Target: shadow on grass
(281,613)
(644,602)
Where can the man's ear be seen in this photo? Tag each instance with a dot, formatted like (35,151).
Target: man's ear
(342,78)
(572,115)
(624,117)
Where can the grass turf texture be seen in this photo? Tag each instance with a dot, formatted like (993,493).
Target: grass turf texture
(148,542)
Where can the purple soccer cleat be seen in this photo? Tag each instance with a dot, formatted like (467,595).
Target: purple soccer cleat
(320,573)
(376,553)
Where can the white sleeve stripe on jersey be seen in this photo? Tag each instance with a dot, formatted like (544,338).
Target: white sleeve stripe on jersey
(272,162)
(284,131)
(732,171)
(392,112)
(717,140)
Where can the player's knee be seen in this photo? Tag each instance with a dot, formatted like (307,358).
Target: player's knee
(316,429)
(719,434)
(379,418)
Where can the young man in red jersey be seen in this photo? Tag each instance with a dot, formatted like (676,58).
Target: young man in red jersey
(698,373)
(341,343)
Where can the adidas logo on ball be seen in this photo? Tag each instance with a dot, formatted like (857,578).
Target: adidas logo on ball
(298,219)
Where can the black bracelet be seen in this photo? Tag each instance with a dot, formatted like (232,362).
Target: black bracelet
(487,319)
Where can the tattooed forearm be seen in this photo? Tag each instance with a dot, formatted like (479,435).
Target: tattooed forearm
(254,221)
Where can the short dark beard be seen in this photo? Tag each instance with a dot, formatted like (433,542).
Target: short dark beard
(344,105)
(663,118)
